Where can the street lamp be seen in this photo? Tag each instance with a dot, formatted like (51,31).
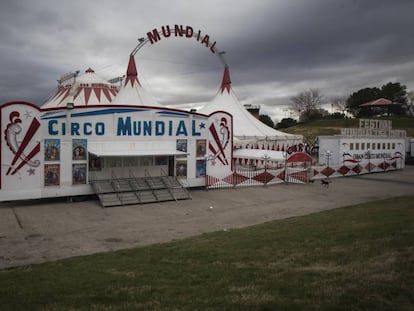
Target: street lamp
(369,160)
(266,157)
(328,155)
(210,157)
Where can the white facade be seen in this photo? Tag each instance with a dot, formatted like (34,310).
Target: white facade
(339,150)
(57,152)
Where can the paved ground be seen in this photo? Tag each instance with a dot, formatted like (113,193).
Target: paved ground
(46,230)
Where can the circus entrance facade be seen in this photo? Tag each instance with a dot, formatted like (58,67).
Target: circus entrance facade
(62,151)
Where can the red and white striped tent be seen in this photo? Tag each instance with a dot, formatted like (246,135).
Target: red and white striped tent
(83,90)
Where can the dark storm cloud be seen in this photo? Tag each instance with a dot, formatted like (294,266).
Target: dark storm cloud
(315,34)
(275,49)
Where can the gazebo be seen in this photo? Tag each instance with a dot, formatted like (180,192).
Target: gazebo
(381,103)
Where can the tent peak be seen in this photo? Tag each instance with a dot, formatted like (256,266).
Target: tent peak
(226,82)
(132,73)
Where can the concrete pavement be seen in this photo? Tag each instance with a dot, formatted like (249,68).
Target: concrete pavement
(45,230)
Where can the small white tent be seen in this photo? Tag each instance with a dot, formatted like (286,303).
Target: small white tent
(84,90)
(247,129)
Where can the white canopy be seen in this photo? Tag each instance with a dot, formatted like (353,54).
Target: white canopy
(259,154)
(245,125)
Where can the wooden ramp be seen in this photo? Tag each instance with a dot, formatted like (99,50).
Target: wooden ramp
(138,190)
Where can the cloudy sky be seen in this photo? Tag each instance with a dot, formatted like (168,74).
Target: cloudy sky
(274,48)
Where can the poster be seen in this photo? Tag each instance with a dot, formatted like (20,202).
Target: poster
(182,145)
(181,168)
(200,168)
(79,149)
(200,148)
(78,173)
(52,174)
(52,149)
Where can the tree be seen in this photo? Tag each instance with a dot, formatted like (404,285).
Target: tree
(395,92)
(361,97)
(285,123)
(307,104)
(410,103)
(266,120)
(339,103)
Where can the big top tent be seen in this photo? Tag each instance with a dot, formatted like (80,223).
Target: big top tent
(132,93)
(247,129)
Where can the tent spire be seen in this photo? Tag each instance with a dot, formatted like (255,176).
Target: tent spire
(132,73)
(226,83)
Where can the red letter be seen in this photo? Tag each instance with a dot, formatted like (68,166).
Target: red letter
(178,30)
(166,33)
(154,36)
(189,32)
(212,47)
(205,40)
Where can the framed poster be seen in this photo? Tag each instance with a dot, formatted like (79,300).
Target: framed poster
(52,149)
(200,168)
(52,174)
(181,168)
(200,148)
(79,149)
(182,145)
(78,173)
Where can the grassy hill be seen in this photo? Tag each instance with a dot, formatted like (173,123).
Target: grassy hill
(332,127)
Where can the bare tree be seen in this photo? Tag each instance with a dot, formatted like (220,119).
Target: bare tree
(410,103)
(339,103)
(307,103)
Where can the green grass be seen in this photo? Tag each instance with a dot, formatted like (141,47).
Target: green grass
(353,258)
(333,127)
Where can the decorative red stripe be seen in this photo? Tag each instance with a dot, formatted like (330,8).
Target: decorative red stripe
(216,138)
(29,135)
(88,91)
(214,151)
(97,92)
(106,93)
(35,151)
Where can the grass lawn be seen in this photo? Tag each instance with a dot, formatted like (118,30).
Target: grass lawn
(354,258)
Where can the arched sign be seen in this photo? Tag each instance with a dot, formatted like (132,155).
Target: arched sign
(180,31)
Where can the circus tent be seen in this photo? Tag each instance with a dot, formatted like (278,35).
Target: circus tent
(83,90)
(247,129)
(132,93)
